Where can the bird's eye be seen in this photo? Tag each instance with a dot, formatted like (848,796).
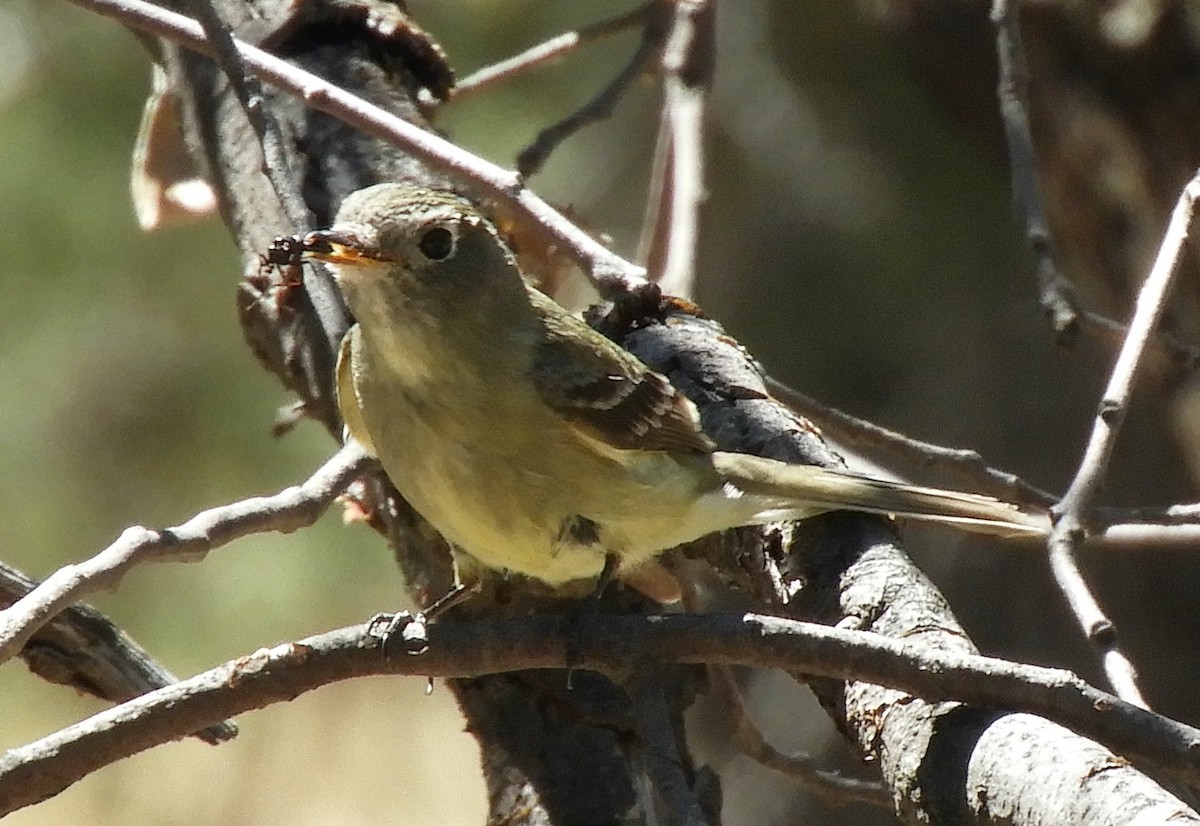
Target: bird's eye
(437,244)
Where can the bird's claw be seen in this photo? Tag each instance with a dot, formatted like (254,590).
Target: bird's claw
(413,631)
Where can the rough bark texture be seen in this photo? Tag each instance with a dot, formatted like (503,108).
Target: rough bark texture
(945,763)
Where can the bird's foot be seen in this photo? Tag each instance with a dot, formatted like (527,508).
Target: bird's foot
(414,628)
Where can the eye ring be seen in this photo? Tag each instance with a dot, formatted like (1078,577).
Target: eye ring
(437,243)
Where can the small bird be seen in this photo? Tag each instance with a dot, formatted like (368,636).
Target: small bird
(532,442)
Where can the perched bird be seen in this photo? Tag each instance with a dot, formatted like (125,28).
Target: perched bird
(530,441)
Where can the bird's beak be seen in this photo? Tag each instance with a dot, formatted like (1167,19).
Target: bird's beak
(336,247)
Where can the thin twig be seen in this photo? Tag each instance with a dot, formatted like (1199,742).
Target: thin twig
(533,157)
(1069,528)
(829,785)
(556,46)
(1183,356)
(1139,536)
(651,246)
(857,433)
(1056,294)
(462,648)
(677,190)
(1173,526)
(85,650)
(606,267)
(290,509)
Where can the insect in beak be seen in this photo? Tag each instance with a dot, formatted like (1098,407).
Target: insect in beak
(336,247)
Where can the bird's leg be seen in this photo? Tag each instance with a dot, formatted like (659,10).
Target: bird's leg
(584,616)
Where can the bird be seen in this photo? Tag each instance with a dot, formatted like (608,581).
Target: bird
(530,441)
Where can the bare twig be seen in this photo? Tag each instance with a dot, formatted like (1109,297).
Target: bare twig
(544,52)
(1069,529)
(290,509)
(533,157)
(672,223)
(1056,293)
(1184,513)
(85,650)
(1173,526)
(470,649)
(506,186)
(1182,356)
(968,465)
(828,784)
(1135,536)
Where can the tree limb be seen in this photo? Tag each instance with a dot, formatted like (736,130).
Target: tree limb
(290,509)
(472,649)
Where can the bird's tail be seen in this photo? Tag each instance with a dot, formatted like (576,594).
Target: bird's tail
(809,489)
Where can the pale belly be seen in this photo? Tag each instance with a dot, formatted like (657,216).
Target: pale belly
(545,507)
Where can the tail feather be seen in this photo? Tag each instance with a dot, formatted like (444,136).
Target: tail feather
(811,488)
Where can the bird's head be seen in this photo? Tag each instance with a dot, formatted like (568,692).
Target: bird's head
(403,253)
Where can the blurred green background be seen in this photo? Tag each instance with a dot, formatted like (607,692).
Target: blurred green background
(855,240)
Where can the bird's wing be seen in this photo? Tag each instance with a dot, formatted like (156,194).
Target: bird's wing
(347,398)
(605,391)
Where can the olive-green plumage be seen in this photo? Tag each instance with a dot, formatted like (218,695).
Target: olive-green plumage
(530,441)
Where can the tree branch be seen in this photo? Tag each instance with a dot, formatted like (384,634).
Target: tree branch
(659,725)
(501,184)
(290,509)
(1056,293)
(672,223)
(555,47)
(860,434)
(830,785)
(85,650)
(318,282)
(1069,530)
(532,158)
(470,649)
